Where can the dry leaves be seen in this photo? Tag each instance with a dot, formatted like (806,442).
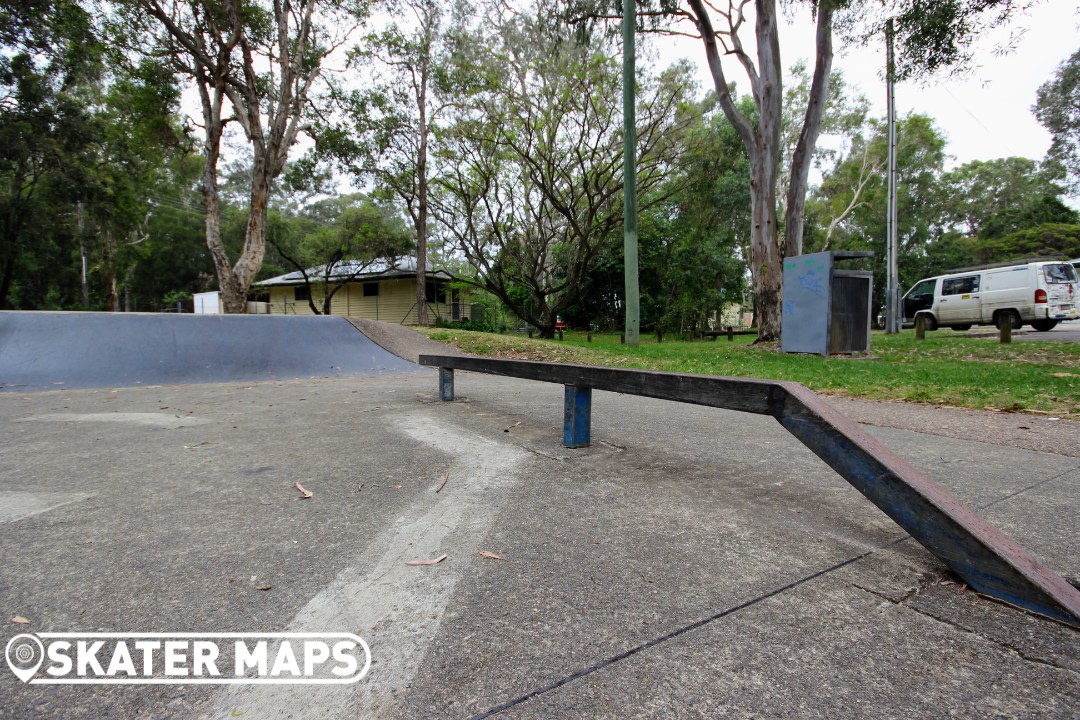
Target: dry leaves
(304,493)
(436,561)
(264,587)
(20,620)
(491,556)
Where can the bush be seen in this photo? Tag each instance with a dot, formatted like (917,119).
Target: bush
(474,325)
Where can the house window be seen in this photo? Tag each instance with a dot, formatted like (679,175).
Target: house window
(371,289)
(435,292)
(301,294)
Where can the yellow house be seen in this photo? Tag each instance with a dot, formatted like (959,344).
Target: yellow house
(380,290)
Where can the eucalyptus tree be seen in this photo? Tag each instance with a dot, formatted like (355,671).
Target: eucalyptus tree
(531,187)
(933,36)
(391,121)
(258,64)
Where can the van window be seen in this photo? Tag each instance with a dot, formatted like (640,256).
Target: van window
(926,287)
(960,285)
(1059,273)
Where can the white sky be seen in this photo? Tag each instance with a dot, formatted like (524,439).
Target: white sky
(987,115)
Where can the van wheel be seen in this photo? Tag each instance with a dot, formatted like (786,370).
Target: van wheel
(1008,316)
(961,328)
(1044,325)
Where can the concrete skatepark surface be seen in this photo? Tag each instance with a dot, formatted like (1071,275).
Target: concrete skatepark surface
(44,350)
(691,563)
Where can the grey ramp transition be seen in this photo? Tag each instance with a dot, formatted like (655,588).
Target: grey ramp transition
(51,350)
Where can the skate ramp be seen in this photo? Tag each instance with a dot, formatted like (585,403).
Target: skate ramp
(55,350)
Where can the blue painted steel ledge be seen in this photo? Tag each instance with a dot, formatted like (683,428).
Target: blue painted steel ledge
(986,559)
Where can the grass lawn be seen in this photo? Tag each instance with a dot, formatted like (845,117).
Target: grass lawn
(970,369)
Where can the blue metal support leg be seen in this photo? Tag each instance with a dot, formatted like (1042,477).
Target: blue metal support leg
(577,416)
(446,384)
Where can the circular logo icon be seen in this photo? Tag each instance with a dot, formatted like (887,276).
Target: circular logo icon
(24,656)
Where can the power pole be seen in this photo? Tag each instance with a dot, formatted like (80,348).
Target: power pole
(893,320)
(632,300)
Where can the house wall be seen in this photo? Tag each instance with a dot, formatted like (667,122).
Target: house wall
(395,302)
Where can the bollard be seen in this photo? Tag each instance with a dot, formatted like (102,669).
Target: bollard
(589,336)
(730,334)
(560,336)
(1005,330)
(530,333)
(920,327)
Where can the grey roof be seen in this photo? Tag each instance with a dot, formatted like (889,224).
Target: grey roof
(381,269)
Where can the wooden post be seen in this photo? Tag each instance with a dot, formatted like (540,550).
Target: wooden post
(560,336)
(589,336)
(1005,330)
(730,334)
(920,327)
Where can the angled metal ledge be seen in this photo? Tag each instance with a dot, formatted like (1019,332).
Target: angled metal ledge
(985,558)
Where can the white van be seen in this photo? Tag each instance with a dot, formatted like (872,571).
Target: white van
(1039,293)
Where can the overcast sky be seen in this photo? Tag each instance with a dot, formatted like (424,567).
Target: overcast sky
(985,116)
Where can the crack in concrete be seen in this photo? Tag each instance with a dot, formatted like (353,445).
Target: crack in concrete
(1003,644)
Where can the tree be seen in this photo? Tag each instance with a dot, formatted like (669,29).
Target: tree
(51,55)
(932,35)
(1058,109)
(992,198)
(920,165)
(340,239)
(255,64)
(394,120)
(692,244)
(531,191)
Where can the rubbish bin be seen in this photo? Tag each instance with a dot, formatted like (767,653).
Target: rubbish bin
(826,308)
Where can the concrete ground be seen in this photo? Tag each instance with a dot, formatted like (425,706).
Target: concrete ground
(692,563)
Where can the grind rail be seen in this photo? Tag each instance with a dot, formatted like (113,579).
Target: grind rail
(986,559)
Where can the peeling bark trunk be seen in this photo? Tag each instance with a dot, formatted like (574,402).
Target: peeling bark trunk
(811,130)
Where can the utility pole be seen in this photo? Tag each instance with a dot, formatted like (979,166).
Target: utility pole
(893,320)
(632,300)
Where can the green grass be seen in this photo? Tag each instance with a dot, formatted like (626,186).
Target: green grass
(948,368)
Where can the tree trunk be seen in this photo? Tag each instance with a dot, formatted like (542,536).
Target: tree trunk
(762,145)
(227,282)
(422,187)
(766,259)
(5,282)
(804,148)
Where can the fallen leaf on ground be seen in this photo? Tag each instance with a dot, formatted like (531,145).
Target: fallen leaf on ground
(436,561)
(304,494)
(264,587)
(20,620)
(396,486)
(359,487)
(491,555)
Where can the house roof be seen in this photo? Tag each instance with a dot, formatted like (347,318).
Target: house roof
(359,271)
